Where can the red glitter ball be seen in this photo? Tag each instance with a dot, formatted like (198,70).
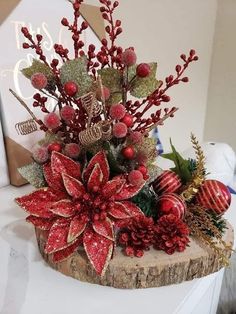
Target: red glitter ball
(136,137)
(72,150)
(106,93)
(143,70)
(71,88)
(67,113)
(128,152)
(129,57)
(40,154)
(120,130)
(117,111)
(51,120)
(54,147)
(135,177)
(39,80)
(170,203)
(128,120)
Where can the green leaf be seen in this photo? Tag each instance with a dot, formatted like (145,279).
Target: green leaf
(49,138)
(112,79)
(37,67)
(33,173)
(76,71)
(181,165)
(143,87)
(146,201)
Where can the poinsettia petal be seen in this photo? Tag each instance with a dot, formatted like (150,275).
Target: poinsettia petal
(128,191)
(64,208)
(54,180)
(95,178)
(41,223)
(74,188)
(62,164)
(38,202)
(104,228)
(113,187)
(77,227)
(101,159)
(118,210)
(98,250)
(132,209)
(57,238)
(67,252)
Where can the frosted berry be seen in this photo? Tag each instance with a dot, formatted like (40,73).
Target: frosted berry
(40,155)
(170,203)
(72,150)
(67,113)
(117,111)
(39,80)
(128,152)
(128,57)
(71,88)
(51,120)
(143,70)
(54,147)
(106,93)
(128,120)
(136,137)
(119,130)
(167,182)
(135,177)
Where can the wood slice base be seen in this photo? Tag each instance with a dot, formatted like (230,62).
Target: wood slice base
(154,269)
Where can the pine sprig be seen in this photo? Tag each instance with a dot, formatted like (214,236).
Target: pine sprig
(146,201)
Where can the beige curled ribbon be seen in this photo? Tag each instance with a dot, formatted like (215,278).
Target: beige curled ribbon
(99,131)
(91,105)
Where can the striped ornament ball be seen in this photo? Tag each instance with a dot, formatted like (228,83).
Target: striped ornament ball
(215,196)
(167,182)
(171,203)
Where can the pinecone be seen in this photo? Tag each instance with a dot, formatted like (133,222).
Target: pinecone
(171,234)
(137,236)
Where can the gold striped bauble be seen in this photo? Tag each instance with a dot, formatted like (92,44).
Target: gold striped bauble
(167,182)
(214,195)
(170,203)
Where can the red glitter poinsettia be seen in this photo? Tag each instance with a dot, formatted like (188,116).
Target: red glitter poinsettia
(77,208)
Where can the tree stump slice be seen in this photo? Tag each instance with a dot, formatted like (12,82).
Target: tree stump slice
(154,269)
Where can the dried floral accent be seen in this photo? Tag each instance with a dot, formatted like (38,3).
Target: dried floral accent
(33,173)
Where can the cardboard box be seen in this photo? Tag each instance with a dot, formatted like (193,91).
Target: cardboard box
(42,17)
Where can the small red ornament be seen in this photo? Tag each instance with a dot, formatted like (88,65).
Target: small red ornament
(143,169)
(171,203)
(67,113)
(119,130)
(39,80)
(128,57)
(51,120)
(167,182)
(117,111)
(72,150)
(54,147)
(71,88)
(40,154)
(135,177)
(143,70)
(128,152)
(136,137)
(128,120)
(214,195)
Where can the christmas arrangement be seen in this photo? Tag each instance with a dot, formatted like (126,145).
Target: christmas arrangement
(98,188)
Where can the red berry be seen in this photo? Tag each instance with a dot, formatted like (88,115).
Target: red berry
(72,150)
(67,113)
(54,147)
(51,120)
(135,177)
(71,88)
(39,80)
(128,57)
(128,120)
(120,130)
(105,91)
(143,70)
(40,154)
(117,111)
(136,137)
(143,169)
(128,152)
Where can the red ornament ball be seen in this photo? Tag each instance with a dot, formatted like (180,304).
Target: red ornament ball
(171,203)
(143,170)
(119,130)
(135,177)
(128,120)
(128,152)
(67,113)
(214,195)
(71,88)
(39,80)
(117,111)
(51,120)
(136,137)
(40,154)
(128,57)
(72,150)
(54,147)
(105,92)
(167,182)
(143,70)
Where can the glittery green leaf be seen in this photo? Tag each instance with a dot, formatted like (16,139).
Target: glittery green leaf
(33,173)
(50,138)
(76,71)
(142,87)
(112,79)
(38,67)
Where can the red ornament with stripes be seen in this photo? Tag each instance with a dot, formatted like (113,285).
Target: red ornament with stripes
(171,203)
(214,195)
(167,182)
